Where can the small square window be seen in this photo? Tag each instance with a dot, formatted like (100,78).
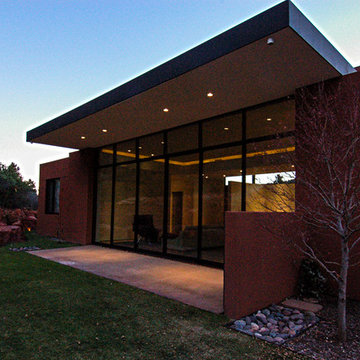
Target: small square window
(52,196)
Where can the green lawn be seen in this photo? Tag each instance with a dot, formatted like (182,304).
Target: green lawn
(51,311)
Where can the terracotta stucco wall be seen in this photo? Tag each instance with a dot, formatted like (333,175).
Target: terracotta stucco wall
(74,221)
(259,270)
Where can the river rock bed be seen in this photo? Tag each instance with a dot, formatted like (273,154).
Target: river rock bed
(275,324)
(25,248)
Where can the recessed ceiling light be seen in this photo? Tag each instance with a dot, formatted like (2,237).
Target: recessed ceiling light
(140,147)
(209,94)
(129,150)
(162,142)
(104,130)
(152,154)
(226,128)
(206,177)
(83,137)
(165,110)
(268,119)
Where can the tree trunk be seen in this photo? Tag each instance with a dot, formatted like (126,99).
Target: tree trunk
(342,292)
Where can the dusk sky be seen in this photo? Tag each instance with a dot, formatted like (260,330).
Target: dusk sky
(56,55)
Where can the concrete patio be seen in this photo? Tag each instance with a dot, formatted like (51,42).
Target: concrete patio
(194,285)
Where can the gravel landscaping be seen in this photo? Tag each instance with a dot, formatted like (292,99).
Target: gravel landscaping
(275,324)
(24,248)
(286,327)
(320,342)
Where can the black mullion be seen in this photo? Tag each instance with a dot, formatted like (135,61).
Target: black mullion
(125,162)
(166,196)
(137,194)
(200,193)
(94,212)
(243,163)
(281,135)
(113,196)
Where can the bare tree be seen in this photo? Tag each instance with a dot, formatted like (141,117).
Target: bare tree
(327,201)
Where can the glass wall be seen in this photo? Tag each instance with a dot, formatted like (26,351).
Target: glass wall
(103,213)
(124,206)
(271,176)
(182,236)
(171,189)
(221,192)
(151,205)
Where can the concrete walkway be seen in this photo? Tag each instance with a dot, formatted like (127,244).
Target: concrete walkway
(194,285)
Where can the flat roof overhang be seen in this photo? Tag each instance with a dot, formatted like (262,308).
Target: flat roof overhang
(237,66)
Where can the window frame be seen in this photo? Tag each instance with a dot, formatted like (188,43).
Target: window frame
(51,195)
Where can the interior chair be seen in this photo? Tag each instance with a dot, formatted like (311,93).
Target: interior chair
(144,225)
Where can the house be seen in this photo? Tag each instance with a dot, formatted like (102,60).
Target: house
(175,162)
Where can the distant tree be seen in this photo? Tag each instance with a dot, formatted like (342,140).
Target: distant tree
(14,191)
(327,202)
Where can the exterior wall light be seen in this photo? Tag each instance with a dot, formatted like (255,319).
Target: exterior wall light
(226,128)
(104,130)
(209,94)
(165,110)
(82,137)
(270,41)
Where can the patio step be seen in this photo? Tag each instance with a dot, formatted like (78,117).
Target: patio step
(302,305)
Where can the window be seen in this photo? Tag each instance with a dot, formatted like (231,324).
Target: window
(52,196)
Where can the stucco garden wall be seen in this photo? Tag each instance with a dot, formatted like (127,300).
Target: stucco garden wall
(74,221)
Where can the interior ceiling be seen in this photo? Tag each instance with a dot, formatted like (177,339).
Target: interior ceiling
(251,75)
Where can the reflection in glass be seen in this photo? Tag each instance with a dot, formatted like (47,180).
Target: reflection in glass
(106,155)
(103,213)
(183,205)
(151,204)
(222,130)
(124,210)
(270,119)
(150,146)
(183,138)
(272,176)
(221,192)
(125,151)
